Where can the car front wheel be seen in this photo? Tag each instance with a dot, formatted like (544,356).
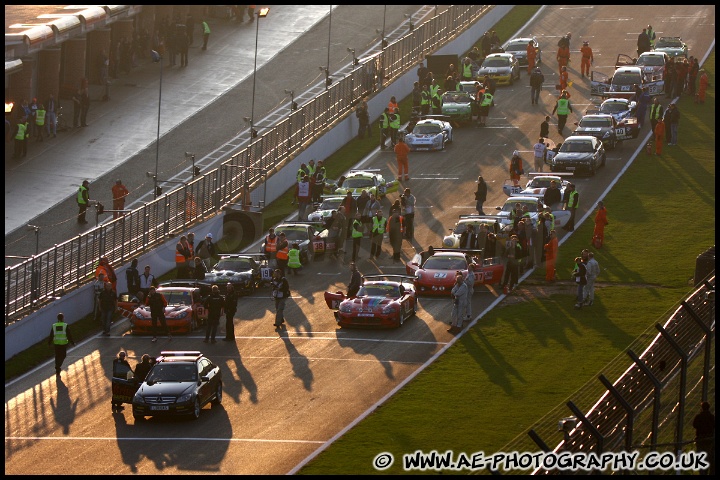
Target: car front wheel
(218,395)
(196,409)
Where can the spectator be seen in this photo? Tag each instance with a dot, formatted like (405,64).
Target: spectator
(303,196)
(368,213)
(157,303)
(580,276)
(107,269)
(199,270)
(355,281)
(318,183)
(480,195)
(512,254)
(207,252)
(539,150)
(672,118)
(280,292)
(416,97)
(536,83)
(132,275)
(704,425)
(378,230)
(572,202)
(407,200)
(643,42)
(459,298)
(230,306)
(98,287)
(357,235)
(552,196)
(51,125)
(361,112)
(206,32)
(108,305)
(142,368)
(214,304)
(84,105)
(147,281)
(592,271)
(183,255)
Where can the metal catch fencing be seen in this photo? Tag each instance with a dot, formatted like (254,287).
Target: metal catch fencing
(651,404)
(40,279)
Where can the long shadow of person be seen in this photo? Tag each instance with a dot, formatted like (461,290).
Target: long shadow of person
(64,409)
(130,453)
(232,387)
(299,362)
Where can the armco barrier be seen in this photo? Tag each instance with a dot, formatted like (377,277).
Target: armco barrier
(71,265)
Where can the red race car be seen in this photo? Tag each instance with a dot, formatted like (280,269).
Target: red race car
(383,301)
(435,273)
(183,314)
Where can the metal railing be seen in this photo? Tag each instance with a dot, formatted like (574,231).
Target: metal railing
(40,279)
(646,407)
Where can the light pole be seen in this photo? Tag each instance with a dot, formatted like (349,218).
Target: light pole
(328,80)
(384,42)
(355,59)
(293,105)
(411,25)
(157,58)
(37,237)
(262,13)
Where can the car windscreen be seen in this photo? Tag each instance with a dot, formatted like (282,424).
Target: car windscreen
(427,129)
(445,263)
(298,234)
(576,147)
(456,98)
(651,61)
(234,264)
(516,47)
(178,298)
(331,204)
(595,122)
(627,78)
(510,206)
(496,62)
(613,107)
(358,182)
(379,291)
(668,43)
(541,182)
(172,372)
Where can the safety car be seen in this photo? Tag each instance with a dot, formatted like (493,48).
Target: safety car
(356,181)
(673,46)
(329,204)
(301,233)
(184,311)
(491,223)
(431,132)
(382,301)
(623,82)
(502,67)
(605,128)
(534,205)
(457,106)
(537,185)
(518,47)
(579,154)
(245,272)
(180,383)
(435,273)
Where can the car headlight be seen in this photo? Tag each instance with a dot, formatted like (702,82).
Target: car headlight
(182,314)
(389,309)
(345,308)
(184,398)
(418,274)
(138,398)
(437,139)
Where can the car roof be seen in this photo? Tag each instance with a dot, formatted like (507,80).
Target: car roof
(587,138)
(597,115)
(523,199)
(617,100)
(360,174)
(179,356)
(520,39)
(636,70)
(430,121)
(502,55)
(171,288)
(670,38)
(653,54)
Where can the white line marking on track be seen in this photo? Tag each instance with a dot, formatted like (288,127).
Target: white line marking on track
(145,439)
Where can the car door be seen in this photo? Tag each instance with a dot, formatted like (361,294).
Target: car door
(206,378)
(333,299)
(623,60)
(599,83)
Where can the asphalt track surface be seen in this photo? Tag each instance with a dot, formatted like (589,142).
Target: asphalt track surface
(287,394)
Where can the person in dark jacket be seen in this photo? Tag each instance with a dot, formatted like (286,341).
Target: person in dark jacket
(480,195)
(199,269)
(132,275)
(355,281)
(142,369)
(231,299)
(580,276)
(214,304)
(157,304)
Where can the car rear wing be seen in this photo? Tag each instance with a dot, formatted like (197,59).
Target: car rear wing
(444,118)
(184,283)
(553,174)
(480,217)
(401,278)
(470,251)
(371,170)
(180,353)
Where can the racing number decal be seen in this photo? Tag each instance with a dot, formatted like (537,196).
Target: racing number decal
(620,131)
(266,273)
(516,189)
(318,245)
(200,311)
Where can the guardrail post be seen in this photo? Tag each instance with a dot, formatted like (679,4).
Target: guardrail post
(683,385)
(656,397)
(628,408)
(708,347)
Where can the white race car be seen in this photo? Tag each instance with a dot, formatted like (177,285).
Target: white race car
(533,204)
(329,204)
(491,222)
(539,182)
(431,132)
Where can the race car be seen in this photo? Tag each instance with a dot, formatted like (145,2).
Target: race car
(579,154)
(356,181)
(491,222)
(245,271)
(502,67)
(470,87)
(534,205)
(623,82)
(653,62)
(384,301)
(431,132)
(329,204)
(621,109)
(518,47)
(184,311)
(673,46)
(457,106)
(605,128)
(435,273)
(301,233)
(536,186)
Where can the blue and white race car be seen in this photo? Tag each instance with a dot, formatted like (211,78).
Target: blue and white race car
(431,132)
(621,109)
(329,204)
